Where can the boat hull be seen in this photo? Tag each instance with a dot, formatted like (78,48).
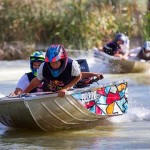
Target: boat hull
(79,108)
(16,114)
(117,65)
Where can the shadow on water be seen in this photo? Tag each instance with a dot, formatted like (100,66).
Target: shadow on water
(63,139)
(17,132)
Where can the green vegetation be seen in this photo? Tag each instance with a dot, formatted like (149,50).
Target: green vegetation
(78,24)
(146,31)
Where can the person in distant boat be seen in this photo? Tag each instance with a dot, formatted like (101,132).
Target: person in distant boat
(36,59)
(114,48)
(144,53)
(59,72)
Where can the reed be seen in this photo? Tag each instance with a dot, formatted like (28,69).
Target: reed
(146,26)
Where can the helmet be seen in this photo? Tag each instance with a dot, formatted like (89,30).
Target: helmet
(55,53)
(146,50)
(120,36)
(146,45)
(37,56)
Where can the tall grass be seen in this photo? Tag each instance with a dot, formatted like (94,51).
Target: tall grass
(146,24)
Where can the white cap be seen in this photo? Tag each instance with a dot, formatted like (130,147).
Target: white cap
(146,45)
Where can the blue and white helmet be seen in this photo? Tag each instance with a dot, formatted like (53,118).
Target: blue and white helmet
(37,56)
(120,36)
(55,53)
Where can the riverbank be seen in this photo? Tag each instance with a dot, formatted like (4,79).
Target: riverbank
(16,50)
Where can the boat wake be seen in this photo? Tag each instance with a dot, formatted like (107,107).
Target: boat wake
(134,114)
(2,95)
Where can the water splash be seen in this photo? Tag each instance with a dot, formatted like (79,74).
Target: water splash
(2,95)
(134,114)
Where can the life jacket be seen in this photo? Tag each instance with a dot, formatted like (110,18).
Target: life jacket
(56,83)
(31,76)
(111,48)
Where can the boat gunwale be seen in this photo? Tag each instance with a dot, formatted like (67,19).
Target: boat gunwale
(113,58)
(39,95)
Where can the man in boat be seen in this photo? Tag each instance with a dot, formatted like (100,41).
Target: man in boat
(58,71)
(36,59)
(115,48)
(144,53)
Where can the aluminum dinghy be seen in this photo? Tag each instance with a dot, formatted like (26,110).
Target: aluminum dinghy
(117,65)
(46,111)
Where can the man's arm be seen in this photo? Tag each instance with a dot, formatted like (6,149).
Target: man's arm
(73,82)
(33,84)
(17,91)
(62,92)
(91,74)
(21,85)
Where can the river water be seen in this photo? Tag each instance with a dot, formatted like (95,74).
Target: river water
(130,131)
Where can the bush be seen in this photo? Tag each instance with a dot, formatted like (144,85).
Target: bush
(76,24)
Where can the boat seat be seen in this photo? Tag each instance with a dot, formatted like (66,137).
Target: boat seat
(83,65)
(84,68)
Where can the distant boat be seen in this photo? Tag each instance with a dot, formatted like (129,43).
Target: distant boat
(80,107)
(117,65)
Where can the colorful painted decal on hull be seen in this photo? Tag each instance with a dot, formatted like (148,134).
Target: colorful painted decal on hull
(108,100)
